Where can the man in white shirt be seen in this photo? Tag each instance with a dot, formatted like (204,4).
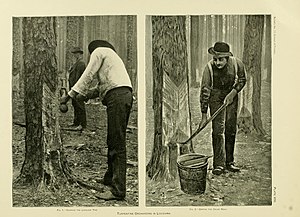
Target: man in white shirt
(115,90)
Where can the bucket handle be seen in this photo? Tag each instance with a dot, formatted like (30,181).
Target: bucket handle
(203,157)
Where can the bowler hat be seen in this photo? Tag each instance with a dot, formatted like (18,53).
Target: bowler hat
(76,50)
(220,49)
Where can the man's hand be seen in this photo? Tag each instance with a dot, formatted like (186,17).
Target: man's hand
(203,120)
(230,96)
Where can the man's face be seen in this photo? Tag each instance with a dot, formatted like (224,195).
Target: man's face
(220,62)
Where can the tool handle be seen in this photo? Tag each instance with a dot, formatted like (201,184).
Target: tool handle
(200,128)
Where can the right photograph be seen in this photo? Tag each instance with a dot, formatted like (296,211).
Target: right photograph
(209,110)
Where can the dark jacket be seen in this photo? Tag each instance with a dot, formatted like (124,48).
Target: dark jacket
(76,71)
(224,80)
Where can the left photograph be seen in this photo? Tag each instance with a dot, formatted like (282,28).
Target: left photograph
(74,111)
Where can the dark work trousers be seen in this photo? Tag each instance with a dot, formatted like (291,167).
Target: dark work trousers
(79,113)
(224,128)
(118,102)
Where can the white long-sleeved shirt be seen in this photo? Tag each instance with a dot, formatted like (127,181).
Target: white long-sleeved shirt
(108,68)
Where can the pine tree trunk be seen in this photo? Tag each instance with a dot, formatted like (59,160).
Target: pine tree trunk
(250,116)
(44,162)
(17,64)
(268,51)
(195,50)
(131,51)
(74,38)
(170,95)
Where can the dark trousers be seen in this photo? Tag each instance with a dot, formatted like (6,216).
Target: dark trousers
(118,102)
(224,128)
(79,113)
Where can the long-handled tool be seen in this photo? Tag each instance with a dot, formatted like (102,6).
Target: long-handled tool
(204,125)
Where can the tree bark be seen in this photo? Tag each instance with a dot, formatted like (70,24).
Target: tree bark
(250,115)
(74,38)
(170,95)
(195,50)
(45,163)
(131,51)
(268,52)
(17,64)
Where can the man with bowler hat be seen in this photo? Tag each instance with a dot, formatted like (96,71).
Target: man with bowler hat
(75,72)
(223,78)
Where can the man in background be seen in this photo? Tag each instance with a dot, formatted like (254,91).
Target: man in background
(75,73)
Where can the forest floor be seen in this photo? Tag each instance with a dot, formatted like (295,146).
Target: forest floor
(250,187)
(86,155)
